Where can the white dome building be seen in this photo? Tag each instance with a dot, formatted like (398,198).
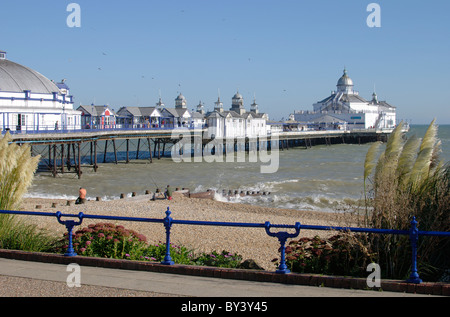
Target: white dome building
(345,84)
(31,102)
(346,107)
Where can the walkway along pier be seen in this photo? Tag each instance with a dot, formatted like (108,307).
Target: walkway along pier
(68,152)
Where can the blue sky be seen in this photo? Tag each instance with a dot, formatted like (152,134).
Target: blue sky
(289,54)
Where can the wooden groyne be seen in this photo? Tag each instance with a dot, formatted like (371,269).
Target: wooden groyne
(210,194)
(69,152)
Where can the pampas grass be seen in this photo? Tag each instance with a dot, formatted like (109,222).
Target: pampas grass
(426,157)
(369,165)
(409,180)
(17,168)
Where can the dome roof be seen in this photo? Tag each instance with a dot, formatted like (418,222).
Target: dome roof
(180,97)
(17,78)
(237,96)
(345,80)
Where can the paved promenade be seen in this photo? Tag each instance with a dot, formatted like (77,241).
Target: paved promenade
(35,279)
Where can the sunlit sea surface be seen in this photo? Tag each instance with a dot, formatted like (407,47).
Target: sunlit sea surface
(323,178)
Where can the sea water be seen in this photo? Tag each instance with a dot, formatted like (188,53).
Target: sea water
(324,178)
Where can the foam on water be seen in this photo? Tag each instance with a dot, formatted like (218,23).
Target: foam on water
(319,178)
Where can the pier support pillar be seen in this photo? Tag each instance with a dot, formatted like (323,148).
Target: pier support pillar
(95,156)
(128,150)
(79,160)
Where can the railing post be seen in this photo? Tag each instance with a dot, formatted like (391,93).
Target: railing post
(414,238)
(282,237)
(69,225)
(168,225)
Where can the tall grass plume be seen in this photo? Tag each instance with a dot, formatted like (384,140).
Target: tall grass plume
(410,180)
(17,168)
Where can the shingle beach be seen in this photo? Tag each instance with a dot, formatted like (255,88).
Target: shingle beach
(251,243)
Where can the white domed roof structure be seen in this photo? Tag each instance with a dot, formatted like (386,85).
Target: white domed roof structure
(352,110)
(237,104)
(181,97)
(18,78)
(180,102)
(237,96)
(345,83)
(29,101)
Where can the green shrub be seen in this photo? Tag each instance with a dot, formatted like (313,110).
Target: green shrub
(342,254)
(107,240)
(223,259)
(157,252)
(16,234)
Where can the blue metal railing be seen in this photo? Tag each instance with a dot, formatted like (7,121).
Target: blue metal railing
(282,236)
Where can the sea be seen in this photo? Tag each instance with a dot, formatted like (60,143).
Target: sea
(321,178)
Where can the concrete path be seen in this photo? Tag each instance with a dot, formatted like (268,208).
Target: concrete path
(36,279)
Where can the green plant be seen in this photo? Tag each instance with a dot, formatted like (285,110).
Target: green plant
(16,234)
(17,168)
(157,252)
(342,254)
(409,180)
(107,240)
(223,259)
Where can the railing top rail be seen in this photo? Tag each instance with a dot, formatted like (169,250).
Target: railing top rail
(227,224)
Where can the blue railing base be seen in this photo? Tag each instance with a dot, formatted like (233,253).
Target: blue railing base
(282,237)
(168,226)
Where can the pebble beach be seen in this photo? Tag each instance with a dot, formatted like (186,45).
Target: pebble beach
(251,243)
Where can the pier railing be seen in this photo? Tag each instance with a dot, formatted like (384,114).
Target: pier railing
(271,229)
(95,128)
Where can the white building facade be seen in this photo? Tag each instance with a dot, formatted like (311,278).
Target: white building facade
(236,122)
(347,108)
(29,102)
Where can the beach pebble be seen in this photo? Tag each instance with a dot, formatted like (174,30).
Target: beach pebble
(252,243)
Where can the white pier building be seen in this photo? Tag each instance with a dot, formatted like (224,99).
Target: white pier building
(236,122)
(31,102)
(346,108)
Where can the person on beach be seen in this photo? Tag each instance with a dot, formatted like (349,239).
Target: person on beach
(168,193)
(157,194)
(81,197)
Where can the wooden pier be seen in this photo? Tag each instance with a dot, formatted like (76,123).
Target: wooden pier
(68,152)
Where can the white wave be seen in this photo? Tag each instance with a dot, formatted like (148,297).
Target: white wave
(313,202)
(69,197)
(49,196)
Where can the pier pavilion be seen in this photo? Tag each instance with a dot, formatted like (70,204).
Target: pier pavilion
(31,102)
(236,122)
(348,108)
